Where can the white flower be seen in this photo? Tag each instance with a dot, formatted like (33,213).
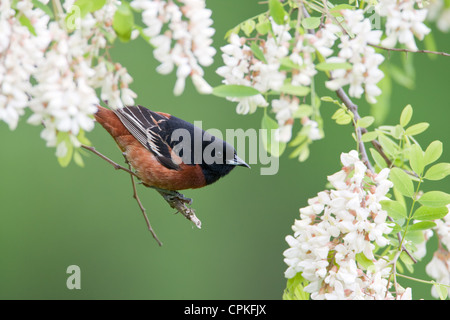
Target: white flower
(187,42)
(20,53)
(403,22)
(339,224)
(439,266)
(365,73)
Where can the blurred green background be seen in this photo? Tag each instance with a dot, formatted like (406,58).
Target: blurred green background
(53,217)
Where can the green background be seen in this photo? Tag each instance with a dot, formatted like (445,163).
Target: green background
(53,217)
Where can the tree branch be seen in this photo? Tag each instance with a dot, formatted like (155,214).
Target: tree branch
(135,196)
(115,165)
(175,199)
(359,131)
(411,51)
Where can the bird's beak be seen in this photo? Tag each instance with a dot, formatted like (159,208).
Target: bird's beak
(237,162)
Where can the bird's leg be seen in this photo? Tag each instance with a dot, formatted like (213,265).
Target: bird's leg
(171,195)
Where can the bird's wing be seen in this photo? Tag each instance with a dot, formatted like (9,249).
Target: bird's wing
(149,128)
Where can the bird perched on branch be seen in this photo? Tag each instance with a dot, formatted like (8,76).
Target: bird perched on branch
(168,153)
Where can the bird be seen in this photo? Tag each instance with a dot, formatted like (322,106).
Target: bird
(166,152)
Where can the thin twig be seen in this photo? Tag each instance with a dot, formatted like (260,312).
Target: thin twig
(354,109)
(135,196)
(180,203)
(175,199)
(115,165)
(399,237)
(411,51)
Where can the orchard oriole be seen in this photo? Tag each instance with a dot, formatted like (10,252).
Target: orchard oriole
(167,152)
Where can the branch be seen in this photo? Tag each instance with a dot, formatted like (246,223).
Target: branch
(411,51)
(135,195)
(359,131)
(178,202)
(115,165)
(175,199)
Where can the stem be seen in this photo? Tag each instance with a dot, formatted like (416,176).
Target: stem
(59,13)
(411,51)
(411,211)
(354,109)
(175,199)
(135,196)
(115,165)
(422,281)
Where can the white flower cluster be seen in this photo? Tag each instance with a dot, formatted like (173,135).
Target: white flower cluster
(265,74)
(337,226)
(403,22)
(439,266)
(19,52)
(186,44)
(354,49)
(55,71)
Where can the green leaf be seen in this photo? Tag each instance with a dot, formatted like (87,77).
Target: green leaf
(365,122)
(423,225)
(328,66)
(409,264)
(402,182)
(234,90)
(257,52)
(406,115)
(277,12)
(27,23)
(78,159)
(341,117)
(304,110)
(336,11)
(417,129)
(438,171)
(123,22)
(248,26)
(369,136)
(344,119)
(394,209)
(300,91)
(274,147)
(287,64)
(65,160)
(234,30)
(43,7)
(441,290)
(295,288)
(389,146)
(263,26)
(88,6)
(311,22)
(430,213)
(433,152)
(379,160)
(435,199)
(363,260)
(416,159)
(83,139)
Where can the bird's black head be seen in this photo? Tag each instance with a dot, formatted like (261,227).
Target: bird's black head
(219,158)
